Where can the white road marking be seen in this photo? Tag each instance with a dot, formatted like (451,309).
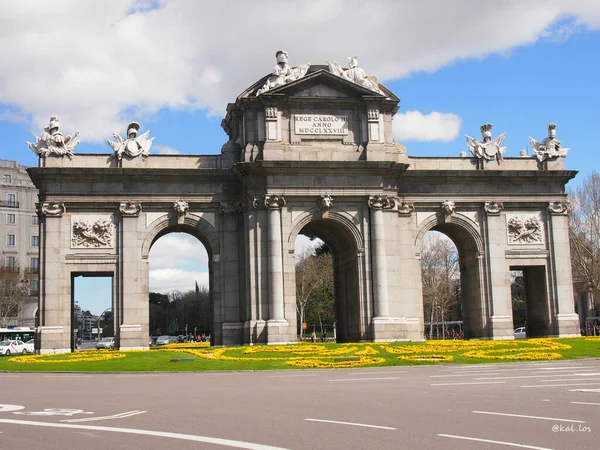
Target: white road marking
(562,368)
(586,403)
(351,423)
(531,376)
(583,390)
(551,385)
(293,376)
(8,408)
(471,382)
(510,444)
(365,379)
(528,417)
(572,379)
(116,416)
(67,376)
(165,434)
(463,374)
(376,373)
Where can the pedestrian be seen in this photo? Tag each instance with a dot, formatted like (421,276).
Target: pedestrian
(313,336)
(324,336)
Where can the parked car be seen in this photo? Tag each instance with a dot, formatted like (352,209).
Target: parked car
(13,347)
(29,346)
(520,333)
(163,340)
(106,343)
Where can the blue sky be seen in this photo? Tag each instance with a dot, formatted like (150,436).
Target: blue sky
(174,65)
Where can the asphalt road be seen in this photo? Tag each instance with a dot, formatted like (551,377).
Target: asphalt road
(537,405)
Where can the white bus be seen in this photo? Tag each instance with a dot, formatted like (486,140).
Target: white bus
(17,333)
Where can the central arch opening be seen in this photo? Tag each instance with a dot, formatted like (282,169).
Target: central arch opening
(180,306)
(452,301)
(333,292)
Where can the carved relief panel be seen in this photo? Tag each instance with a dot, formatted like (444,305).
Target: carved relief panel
(92,231)
(524,229)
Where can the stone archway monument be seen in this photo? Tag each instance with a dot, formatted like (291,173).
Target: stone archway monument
(310,150)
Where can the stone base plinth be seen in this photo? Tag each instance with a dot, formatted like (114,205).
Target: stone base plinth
(567,325)
(232,333)
(255,332)
(51,340)
(280,332)
(388,329)
(131,338)
(502,328)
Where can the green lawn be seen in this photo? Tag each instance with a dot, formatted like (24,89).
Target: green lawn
(158,360)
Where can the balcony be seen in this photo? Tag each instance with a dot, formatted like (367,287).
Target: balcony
(32,269)
(5,204)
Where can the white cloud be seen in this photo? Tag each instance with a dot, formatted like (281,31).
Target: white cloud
(165,150)
(176,262)
(98,64)
(432,127)
(305,246)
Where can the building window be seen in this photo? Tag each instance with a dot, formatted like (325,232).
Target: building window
(35,220)
(11,200)
(11,219)
(34,265)
(10,262)
(34,287)
(35,241)
(10,239)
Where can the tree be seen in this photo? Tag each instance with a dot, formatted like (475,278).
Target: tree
(314,286)
(12,292)
(440,276)
(584,236)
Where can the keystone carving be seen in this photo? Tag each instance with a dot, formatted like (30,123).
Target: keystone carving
(493,208)
(448,207)
(51,209)
(274,201)
(326,202)
(181,207)
(130,209)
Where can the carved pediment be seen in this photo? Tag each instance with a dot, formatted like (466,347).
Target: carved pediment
(321,90)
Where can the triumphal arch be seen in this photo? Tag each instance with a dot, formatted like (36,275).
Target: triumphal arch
(310,151)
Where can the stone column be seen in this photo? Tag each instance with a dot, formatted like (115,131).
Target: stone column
(380,286)
(567,321)
(500,304)
(53,333)
(132,304)
(276,325)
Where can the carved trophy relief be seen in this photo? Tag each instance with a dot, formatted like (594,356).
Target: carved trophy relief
(50,209)
(130,209)
(282,73)
(524,229)
(355,74)
(132,145)
(92,233)
(550,147)
(53,142)
(488,149)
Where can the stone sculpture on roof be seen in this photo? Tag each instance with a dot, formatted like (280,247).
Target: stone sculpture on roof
(355,74)
(487,149)
(53,142)
(134,145)
(283,73)
(549,148)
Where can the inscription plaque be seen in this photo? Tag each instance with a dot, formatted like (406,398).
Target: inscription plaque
(316,124)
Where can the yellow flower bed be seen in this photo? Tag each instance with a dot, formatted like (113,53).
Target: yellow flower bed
(430,358)
(187,345)
(69,357)
(312,363)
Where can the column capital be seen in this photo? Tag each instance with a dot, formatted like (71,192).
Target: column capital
(274,201)
(231,207)
(559,208)
(50,209)
(493,208)
(130,209)
(379,202)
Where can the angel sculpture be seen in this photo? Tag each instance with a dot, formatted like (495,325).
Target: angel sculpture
(549,148)
(283,73)
(53,142)
(134,145)
(487,149)
(355,74)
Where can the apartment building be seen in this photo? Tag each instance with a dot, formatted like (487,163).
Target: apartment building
(19,234)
